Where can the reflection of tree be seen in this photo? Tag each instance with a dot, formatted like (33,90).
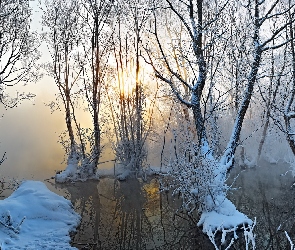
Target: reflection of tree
(146,219)
(267,195)
(171,230)
(85,198)
(131,215)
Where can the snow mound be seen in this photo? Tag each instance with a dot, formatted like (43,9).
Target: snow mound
(225,216)
(33,217)
(74,173)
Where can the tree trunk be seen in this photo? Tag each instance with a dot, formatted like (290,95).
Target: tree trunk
(287,115)
(228,157)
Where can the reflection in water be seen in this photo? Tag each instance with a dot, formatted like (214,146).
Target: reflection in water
(130,215)
(266,193)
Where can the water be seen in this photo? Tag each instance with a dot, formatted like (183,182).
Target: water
(130,215)
(267,193)
(135,215)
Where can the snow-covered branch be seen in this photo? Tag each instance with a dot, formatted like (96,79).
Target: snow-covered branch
(7,221)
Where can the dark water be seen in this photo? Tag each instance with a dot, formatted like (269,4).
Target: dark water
(267,193)
(135,215)
(130,215)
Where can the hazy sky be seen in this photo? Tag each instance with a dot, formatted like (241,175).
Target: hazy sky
(29,132)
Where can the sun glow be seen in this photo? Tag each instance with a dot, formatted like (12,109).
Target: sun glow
(126,84)
(126,78)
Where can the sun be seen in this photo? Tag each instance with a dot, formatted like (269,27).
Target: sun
(127,79)
(126,84)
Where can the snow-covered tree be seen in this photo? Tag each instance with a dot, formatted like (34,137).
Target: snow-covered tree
(18,48)
(18,51)
(79,37)
(61,20)
(131,121)
(289,113)
(98,17)
(201,181)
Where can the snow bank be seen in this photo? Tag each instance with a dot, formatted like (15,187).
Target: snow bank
(224,216)
(33,217)
(226,220)
(73,172)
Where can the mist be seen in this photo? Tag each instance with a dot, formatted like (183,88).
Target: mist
(29,135)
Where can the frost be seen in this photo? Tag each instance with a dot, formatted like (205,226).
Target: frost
(73,172)
(290,241)
(232,232)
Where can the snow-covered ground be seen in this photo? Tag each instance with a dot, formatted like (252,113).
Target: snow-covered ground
(33,217)
(225,216)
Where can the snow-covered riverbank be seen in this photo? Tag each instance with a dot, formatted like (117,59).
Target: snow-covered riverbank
(33,217)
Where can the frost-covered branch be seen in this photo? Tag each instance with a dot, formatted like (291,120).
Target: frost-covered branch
(7,222)
(3,158)
(290,241)
(177,94)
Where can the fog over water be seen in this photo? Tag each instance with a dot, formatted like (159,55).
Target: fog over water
(29,135)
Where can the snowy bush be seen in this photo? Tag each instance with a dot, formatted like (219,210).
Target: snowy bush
(196,183)
(130,158)
(200,181)
(76,170)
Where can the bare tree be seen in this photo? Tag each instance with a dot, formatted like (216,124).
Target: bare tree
(289,114)
(98,19)
(130,121)
(61,20)
(79,37)
(207,32)
(18,49)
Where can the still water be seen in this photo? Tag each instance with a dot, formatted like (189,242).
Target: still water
(134,215)
(267,193)
(130,215)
